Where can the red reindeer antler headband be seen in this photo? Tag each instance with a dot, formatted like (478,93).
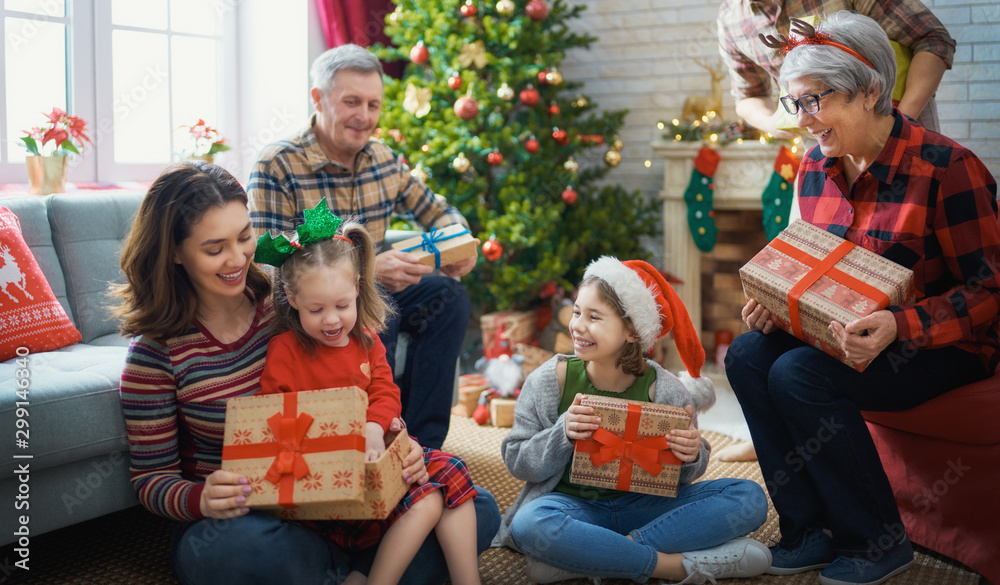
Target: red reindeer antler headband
(809,37)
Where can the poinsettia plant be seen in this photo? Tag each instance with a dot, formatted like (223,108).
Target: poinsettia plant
(65,133)
(203,140)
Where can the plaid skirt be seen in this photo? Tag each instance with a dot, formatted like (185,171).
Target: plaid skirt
(445,471)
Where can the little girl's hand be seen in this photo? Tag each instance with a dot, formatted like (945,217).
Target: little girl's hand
(686,444)
(581,422)
(374,441)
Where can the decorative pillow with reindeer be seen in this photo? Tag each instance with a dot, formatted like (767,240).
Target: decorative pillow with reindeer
(30,315)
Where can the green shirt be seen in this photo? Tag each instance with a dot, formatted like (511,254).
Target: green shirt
(577,382)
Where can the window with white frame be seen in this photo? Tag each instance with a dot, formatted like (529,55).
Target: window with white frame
(137,72)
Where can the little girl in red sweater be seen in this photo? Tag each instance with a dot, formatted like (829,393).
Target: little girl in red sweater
(329,311)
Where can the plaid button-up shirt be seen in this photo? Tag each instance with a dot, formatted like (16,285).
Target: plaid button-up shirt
(752,65)
(928,204)
(293,175)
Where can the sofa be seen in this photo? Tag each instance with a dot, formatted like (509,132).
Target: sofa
(943,461)
(79,464)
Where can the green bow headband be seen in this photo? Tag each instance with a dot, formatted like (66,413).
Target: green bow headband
(320,224)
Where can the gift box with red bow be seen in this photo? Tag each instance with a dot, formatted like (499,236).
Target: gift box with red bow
(503,330)
(441,247)
(807,277)
(301,451)
(629,451)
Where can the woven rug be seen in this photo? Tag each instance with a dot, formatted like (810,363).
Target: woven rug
(132,547)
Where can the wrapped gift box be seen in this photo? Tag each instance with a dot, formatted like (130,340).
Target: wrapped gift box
(505,329)
(533,357)
(807,277)
(384,484)
(301,451)
(502,412)
(441,247)
(629,451)
(470,388)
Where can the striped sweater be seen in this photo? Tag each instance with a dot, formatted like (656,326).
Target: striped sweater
(174,393)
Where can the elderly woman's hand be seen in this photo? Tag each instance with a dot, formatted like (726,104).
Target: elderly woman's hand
(757,317)
(865,338)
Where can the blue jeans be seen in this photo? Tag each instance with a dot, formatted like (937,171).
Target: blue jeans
(589,536)
(435,312)
(262,549)
(819,463)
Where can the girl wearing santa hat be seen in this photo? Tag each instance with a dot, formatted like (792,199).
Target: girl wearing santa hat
(570,531)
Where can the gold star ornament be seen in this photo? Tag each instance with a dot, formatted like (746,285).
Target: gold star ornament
(417,101)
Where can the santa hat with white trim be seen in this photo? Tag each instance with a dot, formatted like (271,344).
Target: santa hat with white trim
(655,309)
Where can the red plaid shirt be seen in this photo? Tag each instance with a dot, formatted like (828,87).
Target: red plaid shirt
(929,204)
(752,65)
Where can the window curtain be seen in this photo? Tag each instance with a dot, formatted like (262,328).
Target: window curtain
(359,22)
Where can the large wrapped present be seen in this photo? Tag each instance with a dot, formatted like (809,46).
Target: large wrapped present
(441,247)
(470,388)
(301,451)
(505,329)
(807,277)
(384,484)
(629,451)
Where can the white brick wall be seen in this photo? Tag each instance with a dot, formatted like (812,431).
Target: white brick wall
(642,62)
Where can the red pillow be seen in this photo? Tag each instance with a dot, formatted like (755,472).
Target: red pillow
(30,315)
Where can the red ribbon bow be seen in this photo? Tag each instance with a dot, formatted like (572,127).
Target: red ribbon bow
(289,433)
(644,452)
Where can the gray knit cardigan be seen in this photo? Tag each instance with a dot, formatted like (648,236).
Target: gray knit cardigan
(536,451)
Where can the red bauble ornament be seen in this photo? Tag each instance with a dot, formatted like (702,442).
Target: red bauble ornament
(419,53)
(454,82)
(466,108)
(560,136)
(531,145)
(548,289)
(530,96)
(541,77)
(492,250)
(569,196)
(537,10)
(494,158)
(468,9)
(554,109)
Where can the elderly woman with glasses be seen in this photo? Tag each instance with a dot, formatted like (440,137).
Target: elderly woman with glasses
(885,183)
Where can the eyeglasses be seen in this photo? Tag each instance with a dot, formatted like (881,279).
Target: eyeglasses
(809,102)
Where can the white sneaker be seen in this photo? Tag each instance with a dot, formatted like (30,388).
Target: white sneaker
(740,557)
(539,572)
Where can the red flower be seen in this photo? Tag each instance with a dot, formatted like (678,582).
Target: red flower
(68,133)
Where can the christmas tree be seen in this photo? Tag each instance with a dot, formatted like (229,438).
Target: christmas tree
(483,115)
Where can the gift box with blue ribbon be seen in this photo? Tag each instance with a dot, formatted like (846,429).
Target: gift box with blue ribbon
(441,246)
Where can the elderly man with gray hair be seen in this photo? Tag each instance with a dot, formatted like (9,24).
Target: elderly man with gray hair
(334,157)
(883,182)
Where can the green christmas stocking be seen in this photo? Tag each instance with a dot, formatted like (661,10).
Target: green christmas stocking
(698,197)
(777,196)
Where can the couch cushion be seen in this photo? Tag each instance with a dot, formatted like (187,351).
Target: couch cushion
(30,316)
(33,215)
(75,410)
(87,231)
(967,415)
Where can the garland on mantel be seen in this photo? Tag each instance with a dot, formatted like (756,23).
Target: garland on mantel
(776,200)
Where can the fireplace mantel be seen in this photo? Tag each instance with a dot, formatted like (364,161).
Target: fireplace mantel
(743,173)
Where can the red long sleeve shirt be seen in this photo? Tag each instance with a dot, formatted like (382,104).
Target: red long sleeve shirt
(290,368)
